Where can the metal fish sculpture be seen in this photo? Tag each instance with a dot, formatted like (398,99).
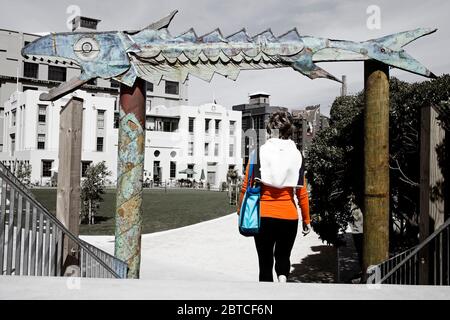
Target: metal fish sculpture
(153,53)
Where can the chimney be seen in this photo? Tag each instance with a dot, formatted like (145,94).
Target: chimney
(344,86)
(259,98)
(80,23)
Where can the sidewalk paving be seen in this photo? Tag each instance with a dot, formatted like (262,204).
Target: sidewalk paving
(211,250)
(211,261)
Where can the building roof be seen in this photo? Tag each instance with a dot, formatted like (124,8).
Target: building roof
(259,93)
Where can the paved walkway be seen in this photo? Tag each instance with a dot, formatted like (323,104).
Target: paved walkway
(209,261)
(212,250)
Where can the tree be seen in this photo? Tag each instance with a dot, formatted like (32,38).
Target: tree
(23,173)
(335,160)
(333,170)
(92,189)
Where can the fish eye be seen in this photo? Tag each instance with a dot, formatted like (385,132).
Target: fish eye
(87,48)
(383,50)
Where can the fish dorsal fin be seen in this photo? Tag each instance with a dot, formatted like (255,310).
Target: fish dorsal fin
(189,35)
(291,35)
(158,25)
(213,36)
(163,23)
(267,35)
(240,36)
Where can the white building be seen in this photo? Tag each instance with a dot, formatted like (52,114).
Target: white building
(205,138)
(19,74)
(31,133)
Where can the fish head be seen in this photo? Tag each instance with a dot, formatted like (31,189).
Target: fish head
(99,55)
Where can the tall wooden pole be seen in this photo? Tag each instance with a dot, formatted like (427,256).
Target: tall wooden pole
(376,163)
(432,213)
(130,172)
(69,169)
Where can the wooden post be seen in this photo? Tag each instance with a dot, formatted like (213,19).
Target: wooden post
(376,164)
(130,174)
(69,169)
(431,212)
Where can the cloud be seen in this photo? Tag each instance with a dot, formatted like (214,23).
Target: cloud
(325,18)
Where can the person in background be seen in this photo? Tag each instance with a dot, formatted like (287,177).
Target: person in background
(282,180)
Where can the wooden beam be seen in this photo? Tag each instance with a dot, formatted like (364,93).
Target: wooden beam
(69,172)
(431,211)
(376,164)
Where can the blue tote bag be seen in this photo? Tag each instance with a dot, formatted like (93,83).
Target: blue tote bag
(249,216)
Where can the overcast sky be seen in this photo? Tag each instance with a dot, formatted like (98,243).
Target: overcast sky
(323,18)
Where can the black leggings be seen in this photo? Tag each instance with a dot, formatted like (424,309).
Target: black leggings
(275,239)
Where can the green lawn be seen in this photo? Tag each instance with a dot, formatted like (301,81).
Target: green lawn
(162,211)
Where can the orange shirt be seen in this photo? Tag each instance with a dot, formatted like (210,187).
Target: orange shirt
(280,203)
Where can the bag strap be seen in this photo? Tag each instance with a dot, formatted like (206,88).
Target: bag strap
(254,168)
(251,169)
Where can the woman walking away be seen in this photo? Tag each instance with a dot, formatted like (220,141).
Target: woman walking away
(282,179)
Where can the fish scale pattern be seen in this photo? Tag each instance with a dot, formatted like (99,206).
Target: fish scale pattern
(160,54)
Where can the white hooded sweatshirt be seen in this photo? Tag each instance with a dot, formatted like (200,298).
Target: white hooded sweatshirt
(280,163)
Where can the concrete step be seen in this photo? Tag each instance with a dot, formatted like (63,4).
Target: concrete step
(12,287)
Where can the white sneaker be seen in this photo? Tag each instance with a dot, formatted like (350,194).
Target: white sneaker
(282,278)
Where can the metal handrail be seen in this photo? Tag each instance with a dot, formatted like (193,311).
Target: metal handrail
(412,265)
(84,247)
(417,249)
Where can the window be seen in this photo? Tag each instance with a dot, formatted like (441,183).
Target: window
(166,126)
(206,149)
(259,122)
(47,168)
(191,125)
(57,73)
(84,166)
(116,120)
(13,143)
(173,169)
(191,148)
(41,141)
(42,114)
(157,171)
(100,119)
(161,124)
(100,144)
(207,125)
(25,88)
(30,70)
(231,154)
(115,84)
(156,153)
(217,126)
(232,127)
(172,87)
(88,23)
(13,118)
(150,86)
(216,150)
(191,167)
